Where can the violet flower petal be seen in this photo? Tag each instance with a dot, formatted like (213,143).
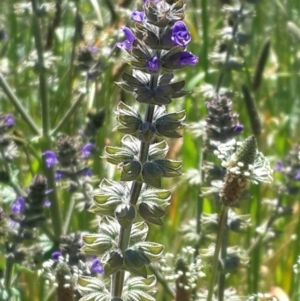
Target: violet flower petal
(187,59)
(50,158)
(87,149)
(18,206)
(138,16)
(153,64)
(96,266)
(9,121)
(130,38)
(278,166)
(180,34)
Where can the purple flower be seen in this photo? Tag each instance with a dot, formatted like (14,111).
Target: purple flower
(153,64)
(96,266)
(47,203)
(180,34)
(58,175)
(18,206)
(9,121)
(86,172)
(297,176)
(278,166)
(56,255)
(238,129)
(187,59)
(86,150)
(138,16)
(50,158)
(93,49)
(130,38)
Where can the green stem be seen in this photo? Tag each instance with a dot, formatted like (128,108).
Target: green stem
(15,101)
(214,272)
(28,144)
(8,272)
(72,205)
(118,278)
(199,202)
(36,26)
(68,114)
(228,53)
(55,211)
(205,39)
(221,280)
(72,58)
(160,278)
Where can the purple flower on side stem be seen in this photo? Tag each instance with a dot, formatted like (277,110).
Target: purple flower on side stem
(130,38)
(18,206)
(56,255)
(50,158)
(47,204)
(278,166)
(138,16)
(187,59)
(9,121)
(96,266)
(86,172)
(58,175)
(180,34)
(297,176)
(87,150)
(153,64)
(239,128)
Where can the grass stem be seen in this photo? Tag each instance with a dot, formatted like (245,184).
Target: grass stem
(214,272)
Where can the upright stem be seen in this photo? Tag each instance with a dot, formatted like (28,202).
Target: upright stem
(42,75)
(199,202)
(221,280)
(15,101)
(46,141)
(228,53)
(118,278)
(214,272)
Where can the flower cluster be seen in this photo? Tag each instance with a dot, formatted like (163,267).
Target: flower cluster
(290,168)
(71,157)
(221,122)
(63,275)
(155,48)
(157,44)
(8,149)
(20,227)
(243,164)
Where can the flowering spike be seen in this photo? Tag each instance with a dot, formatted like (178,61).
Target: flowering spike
(247,151)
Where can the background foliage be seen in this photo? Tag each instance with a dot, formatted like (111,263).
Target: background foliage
(278,101)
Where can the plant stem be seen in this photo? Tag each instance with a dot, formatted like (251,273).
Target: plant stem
(205,27)
(67,219)
(9,263)
(162,281)
(46,141)
(214,272)
(199,202)
(68,114)
(15,101)
(228,53)
(42,74)
(221,280)
(118,278)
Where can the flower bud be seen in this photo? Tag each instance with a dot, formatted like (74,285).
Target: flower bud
(125,214)
(151,213)
(114,262)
